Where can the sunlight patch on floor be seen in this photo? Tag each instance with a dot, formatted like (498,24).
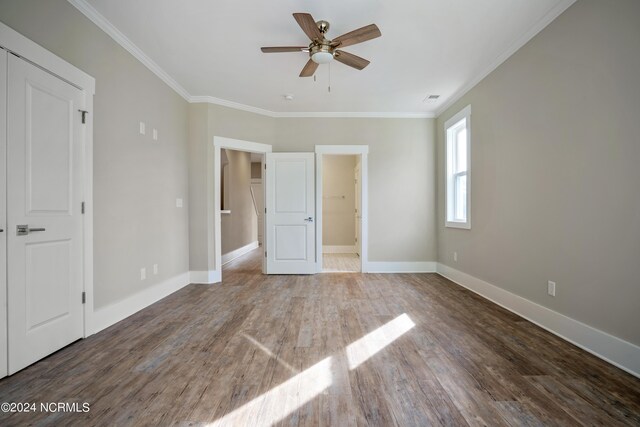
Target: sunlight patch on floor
(284,399)
(367,346)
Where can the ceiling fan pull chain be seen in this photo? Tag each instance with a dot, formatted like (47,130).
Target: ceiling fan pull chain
(329,88)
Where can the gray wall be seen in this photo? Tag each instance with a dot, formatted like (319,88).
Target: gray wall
(207,121)
(402,212)
(240,227)
(338,200)
(136,182)
(555,151)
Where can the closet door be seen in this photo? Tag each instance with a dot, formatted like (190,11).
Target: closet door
(44,224)
(3,213)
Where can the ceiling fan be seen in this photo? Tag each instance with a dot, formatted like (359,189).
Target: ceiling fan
(322,50)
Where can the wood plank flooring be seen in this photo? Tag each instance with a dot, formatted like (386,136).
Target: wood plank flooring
(326,350)
(340,263)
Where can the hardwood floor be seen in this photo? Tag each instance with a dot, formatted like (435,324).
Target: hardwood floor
(331,349)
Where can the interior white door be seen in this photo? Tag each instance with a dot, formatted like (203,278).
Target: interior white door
(3,213)
(358,209)
(290,197)
(44,188)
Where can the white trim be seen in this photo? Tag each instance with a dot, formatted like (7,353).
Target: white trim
(363,152)
(342,149)
(113,313)
(401,267)
(220,142)
(209,277)
(39,56)
(241,145)
(237,253)
(329,249)
(464,114)
(30,51)
(513,48)
(356,114)
(103,23)
(614,350)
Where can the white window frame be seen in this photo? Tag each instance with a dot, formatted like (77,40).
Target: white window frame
(450,159)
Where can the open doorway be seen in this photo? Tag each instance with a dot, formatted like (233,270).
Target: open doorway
(241,203)
(341,213)
(250,150)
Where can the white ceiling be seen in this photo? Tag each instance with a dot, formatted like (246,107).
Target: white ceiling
(212,48)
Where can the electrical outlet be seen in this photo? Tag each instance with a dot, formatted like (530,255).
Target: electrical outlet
(455,256)
(143,128)
(155,134)
(143,273)
(155,268)
(551,288)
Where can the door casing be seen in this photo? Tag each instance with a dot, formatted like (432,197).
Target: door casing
(362,151)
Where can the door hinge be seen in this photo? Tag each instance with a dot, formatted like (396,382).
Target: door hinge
(265,210)
(84,115)
(82,208)
(265,165)
(84,297)
(265,254)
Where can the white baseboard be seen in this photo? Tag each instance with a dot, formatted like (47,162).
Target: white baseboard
(614,350)
(399,267)
(209,277)
(338,249)
(230,256)
(111,314)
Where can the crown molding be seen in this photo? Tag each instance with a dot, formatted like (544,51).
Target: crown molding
(231,104)
(513,48)
(358,114)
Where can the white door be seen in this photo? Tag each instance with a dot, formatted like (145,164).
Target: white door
(3,210)
(290,202)
(44,188)
(358,209)
(257,193)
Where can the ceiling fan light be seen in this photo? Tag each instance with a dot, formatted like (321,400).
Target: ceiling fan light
(321,57)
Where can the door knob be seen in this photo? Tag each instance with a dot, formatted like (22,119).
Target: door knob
(23,230)
(310,219)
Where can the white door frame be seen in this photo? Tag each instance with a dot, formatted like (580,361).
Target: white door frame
(220,142)
(18,44)
(362,151)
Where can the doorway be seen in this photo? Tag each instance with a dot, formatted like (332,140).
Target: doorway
(250,190)
(340,211)
(341,203)
(242,203)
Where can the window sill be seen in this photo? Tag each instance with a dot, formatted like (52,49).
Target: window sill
(460,225)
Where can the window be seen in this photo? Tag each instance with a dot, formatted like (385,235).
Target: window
(458,130)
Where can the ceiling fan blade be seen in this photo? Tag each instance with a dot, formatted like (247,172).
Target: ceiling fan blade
(284,49)
(308,25)
(309,68)
(350,59)
(357,36)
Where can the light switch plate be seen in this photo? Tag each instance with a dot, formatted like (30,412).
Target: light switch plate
(155,134)
(143,273)
(143,128)
(155,268)
(178,203)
